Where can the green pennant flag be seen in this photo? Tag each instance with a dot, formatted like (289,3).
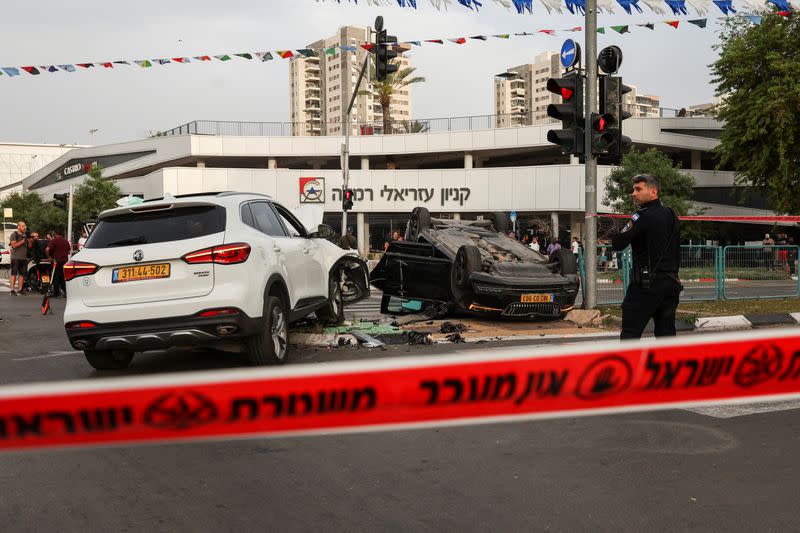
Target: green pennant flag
(621,29)
(700,23)
(225,57)
(601,30)
(648,25)
(245,55)
(331,51)
(503,36)
(144,63)
(307,52)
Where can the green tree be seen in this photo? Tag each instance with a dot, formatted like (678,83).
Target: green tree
(23,204)
(415,126)
(386,89)
(676,186)
(758,77)
(48,217)
(94,196)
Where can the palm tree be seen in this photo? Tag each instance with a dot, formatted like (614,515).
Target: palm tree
(415,126)
(388,87)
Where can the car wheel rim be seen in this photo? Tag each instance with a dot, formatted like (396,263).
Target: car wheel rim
(279,333)
(336,297)
(460,269)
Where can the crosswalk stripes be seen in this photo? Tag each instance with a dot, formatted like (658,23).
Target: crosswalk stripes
(368,308)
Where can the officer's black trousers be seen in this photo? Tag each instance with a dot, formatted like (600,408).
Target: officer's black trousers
(658,302)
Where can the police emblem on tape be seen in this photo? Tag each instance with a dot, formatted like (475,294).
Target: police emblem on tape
(181,410)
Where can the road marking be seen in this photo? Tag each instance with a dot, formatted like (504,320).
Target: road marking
(46,356)
(732,411)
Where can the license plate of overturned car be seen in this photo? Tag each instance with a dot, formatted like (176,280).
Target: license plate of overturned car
(140,272)
(537,298)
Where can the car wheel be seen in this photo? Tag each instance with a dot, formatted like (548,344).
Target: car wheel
(333,312)
(270,347)
(567,263)
(108,359)
(500,222)
(419,222)
(34,283)
(468,260)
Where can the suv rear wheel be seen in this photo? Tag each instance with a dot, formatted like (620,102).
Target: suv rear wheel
(270,347)
(108,359)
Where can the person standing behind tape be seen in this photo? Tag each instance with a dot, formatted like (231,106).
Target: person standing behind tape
(654,234)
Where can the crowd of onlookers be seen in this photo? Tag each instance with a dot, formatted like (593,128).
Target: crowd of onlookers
(27,246)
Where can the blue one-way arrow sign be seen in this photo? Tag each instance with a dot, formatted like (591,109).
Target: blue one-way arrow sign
(570,53)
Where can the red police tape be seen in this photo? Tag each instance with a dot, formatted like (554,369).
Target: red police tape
(708,218)
(493,385)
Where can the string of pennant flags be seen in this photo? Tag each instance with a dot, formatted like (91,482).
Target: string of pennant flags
(660,7)
(333,50)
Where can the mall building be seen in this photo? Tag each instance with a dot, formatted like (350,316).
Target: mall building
(457,173)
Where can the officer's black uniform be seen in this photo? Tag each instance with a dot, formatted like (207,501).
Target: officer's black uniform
(654,234)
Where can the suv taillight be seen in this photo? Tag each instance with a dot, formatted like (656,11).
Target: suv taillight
(75,269)
(227,254)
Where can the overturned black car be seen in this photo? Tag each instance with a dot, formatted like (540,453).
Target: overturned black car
(468,266)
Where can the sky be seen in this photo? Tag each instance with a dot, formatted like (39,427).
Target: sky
(127,103)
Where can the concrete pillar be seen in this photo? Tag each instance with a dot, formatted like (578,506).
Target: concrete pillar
(696,164)
(272,163)
(554,223)
(468,162)
(361,233)
(456,216)
(365,163)
(201,163)
(575,226)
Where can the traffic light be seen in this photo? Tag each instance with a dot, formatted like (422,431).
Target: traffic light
(602,136)
(611,92)
(384,55)
(61,200)
(570,112)
(347,200)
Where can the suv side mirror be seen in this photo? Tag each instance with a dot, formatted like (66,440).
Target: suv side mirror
(324,232)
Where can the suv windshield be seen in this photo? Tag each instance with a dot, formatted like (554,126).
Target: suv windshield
(157,226)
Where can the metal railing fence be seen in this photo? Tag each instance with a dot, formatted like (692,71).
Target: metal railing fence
(708,273)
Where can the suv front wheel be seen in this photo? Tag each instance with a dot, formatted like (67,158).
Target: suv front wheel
(270,347)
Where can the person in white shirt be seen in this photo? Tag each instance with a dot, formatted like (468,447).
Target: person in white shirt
(535,244)
(576,246)
(82,240)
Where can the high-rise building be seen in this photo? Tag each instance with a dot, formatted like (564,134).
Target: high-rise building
(321,87)
(521,96)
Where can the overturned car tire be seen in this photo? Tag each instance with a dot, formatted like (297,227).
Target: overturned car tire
(500,222)
(567,262)
(419,222)
(467,261)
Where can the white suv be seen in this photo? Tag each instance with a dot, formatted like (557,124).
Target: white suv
(195,270)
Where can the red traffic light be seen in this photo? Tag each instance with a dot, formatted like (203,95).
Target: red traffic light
(564,87)
(601,123)
(348,194)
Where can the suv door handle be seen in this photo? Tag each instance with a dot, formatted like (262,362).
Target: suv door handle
(308,250)
(276,248)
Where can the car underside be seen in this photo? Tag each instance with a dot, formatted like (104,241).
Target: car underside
(468,266)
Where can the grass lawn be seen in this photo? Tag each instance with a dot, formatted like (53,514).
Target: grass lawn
(691,310)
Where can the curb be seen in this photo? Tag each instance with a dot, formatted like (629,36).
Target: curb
(734,322)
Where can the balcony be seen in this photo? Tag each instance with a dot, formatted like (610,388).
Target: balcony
(518,92)
(312,78)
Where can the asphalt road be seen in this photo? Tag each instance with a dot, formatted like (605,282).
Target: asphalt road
(666,471)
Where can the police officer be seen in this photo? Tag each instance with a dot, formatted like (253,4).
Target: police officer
(654,234)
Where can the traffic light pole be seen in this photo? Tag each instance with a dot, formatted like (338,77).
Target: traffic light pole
(346,145)
(69,215)
(590,223)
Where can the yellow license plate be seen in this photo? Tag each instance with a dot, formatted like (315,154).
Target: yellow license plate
(140,272)
(45,279)
(537,298)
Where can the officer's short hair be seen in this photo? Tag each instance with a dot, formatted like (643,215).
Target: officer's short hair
(648,179)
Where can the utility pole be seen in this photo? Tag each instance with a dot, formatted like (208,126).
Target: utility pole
(69,215)
(346,145)
(590,222)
